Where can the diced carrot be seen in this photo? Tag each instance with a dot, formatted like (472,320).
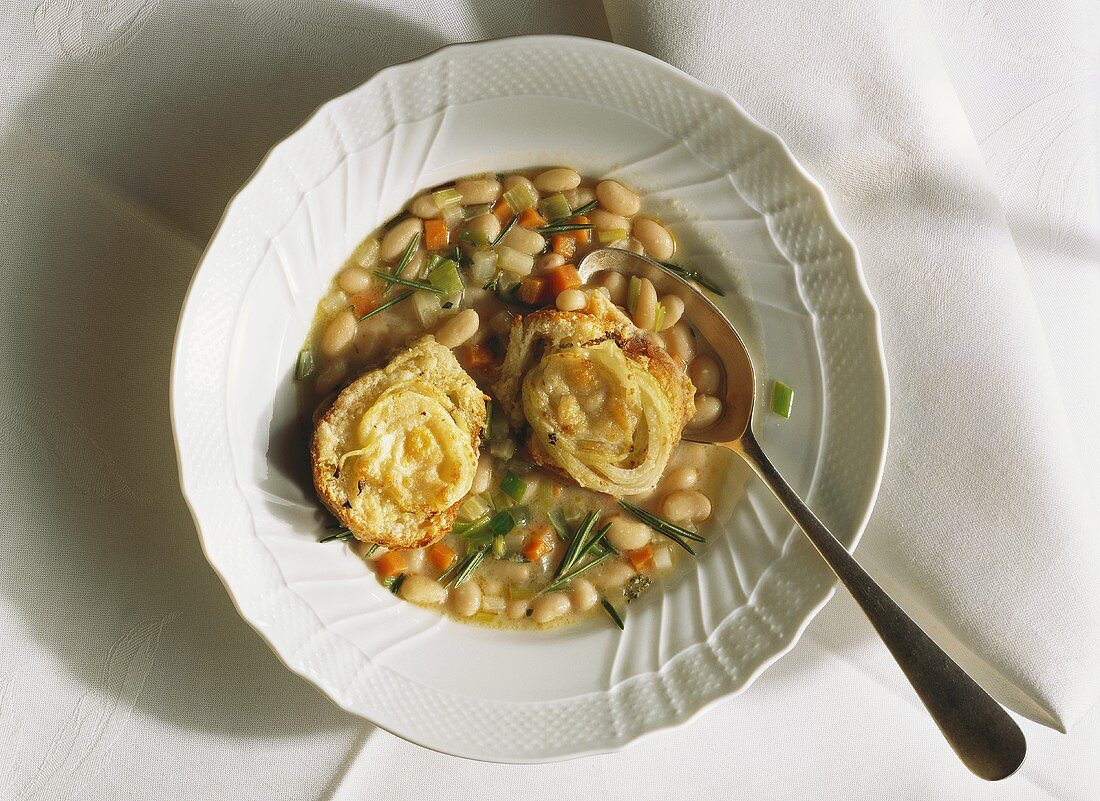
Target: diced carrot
(583,236)
(365,302)
(564,245)
(502,211)
(390,564)
(441,556)
(641,558)
(563,278)
(436,234)
(538,543)
(478,357)
(534,290)
(530,218)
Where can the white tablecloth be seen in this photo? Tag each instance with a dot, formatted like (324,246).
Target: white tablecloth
(125,126)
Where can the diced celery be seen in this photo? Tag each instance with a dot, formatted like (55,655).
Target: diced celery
(483,265)
(632,293)
(452,215)
(493,604)
(477,239)
(512,261)
(521,196)
(498,546)
(303,369)
(501,523)
(473,507)
(659,317)
(486,617)
(366,255)
(446,197)
(469,212)
(613,235)
(782,399)
(451,304)
(521,592)
(445,277)
(428,309)
(513,486)
(521,515)
(502,448)
(554,207)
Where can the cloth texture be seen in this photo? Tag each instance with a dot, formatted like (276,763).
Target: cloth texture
(957,143)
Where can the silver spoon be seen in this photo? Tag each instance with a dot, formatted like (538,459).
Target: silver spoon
(984,736)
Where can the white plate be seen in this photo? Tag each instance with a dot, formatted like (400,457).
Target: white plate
(743,210)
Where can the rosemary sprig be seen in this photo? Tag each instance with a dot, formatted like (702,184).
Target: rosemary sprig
(505,230)
(677,534)
(587,207)
(382,307)
(396,279)
(398,580)
(371,550)
(340,534)
(613,613)
(579,540)
(595,544)
(568,576)
(563,227)
(693,275)
(409,250)
(463,569)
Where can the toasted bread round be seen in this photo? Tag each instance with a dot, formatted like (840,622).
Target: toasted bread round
(397,450)
(603,403)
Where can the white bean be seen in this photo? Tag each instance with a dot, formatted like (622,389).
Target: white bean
(645,307)
(550,261)
(614,575)
(705,374)
(680,342)
(583,595)
(617,199)
(616,284)
(397,238)
(559,179)
(626,534)
(486,224)
(466,599)
(483,476)
(547,607)
(707,411)
(516,609)
(524,240)
(606,221)
(424,207)
(571,300)
(458,329)
(655,238)
(328,379)
(686,506)
(354,280)
(515,572)
(674,310)
(492,586)
(680,478)
(415,263)
(338,334)
(366,255)
(478,190)
(422,590)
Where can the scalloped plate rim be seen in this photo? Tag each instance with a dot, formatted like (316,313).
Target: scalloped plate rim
(682,719)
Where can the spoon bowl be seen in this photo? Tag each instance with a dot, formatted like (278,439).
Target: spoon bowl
(981,732)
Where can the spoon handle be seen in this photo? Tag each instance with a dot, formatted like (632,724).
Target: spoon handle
(984,735)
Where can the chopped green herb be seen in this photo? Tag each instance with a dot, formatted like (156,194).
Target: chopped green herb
(782,399)
(414,243)
(504,231)
(635,586)
(677,534)
(563,227)
(381,308)
(613,613)
(396,279)
(305,365)
(692,275)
